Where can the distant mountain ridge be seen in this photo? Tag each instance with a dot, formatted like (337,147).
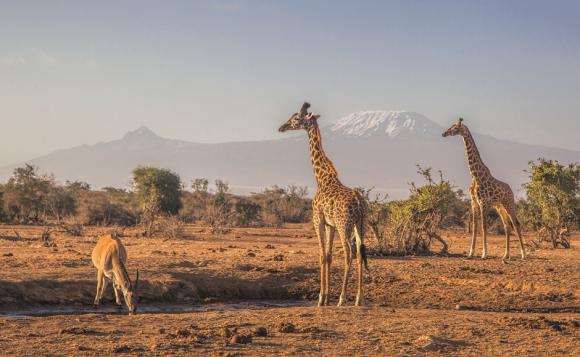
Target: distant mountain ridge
(377,149)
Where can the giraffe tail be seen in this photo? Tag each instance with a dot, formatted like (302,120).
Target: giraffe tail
(363,253)
(361,248)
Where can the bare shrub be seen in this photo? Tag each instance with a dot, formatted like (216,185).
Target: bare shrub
(73,229)
(280,205)
(96,208)
(169,227)
(219,209)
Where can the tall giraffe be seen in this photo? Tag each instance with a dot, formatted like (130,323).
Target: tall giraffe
(335,208)
(486,192)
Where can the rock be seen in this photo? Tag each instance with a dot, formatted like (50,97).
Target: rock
(8,254)
(286,327)
(244,267)
(260,331)
(460,307)
(183,332)
(278,258)
(269,246)
(429,343)
(122,349)
(241,339)
(311,329)
(251,254)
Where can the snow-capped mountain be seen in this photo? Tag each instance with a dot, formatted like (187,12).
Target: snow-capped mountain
(377,149)
(392,123)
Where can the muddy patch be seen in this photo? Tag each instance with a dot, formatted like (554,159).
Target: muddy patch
(150,309)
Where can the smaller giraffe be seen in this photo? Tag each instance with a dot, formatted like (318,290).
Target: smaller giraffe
(486,192)
(335,207)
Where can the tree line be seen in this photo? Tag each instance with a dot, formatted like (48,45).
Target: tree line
(159,200)
(156,194)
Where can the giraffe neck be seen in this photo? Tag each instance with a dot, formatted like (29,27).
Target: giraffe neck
(324,170)
(477,168)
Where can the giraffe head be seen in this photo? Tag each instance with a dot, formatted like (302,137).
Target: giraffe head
(455,129)
(300,120)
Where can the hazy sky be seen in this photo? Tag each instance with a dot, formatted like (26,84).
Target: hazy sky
(75,72)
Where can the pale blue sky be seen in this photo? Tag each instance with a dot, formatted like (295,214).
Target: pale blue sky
(75,72)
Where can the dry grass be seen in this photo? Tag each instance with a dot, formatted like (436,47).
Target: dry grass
(450,305)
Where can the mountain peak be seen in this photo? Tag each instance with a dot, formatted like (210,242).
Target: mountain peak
(141,133)
(392,123)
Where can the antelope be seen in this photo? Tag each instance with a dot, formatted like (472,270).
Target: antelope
(109,257)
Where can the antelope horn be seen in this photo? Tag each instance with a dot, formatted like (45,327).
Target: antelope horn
(137,280)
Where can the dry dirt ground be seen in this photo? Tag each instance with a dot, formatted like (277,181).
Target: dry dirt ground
(415,305)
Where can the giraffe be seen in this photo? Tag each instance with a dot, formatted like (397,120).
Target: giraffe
(335,208)
(486,192)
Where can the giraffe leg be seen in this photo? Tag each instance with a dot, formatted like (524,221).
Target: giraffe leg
(99,286)
(511,212)
(319,227)
(329,245)
(483,215)
(347,262)
(359,263)
(506,227)
(474,227)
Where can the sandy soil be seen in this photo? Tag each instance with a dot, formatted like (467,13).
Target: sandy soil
(449,305)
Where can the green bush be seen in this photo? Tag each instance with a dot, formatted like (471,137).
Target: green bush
(553,207)
(414,224)
(158,191)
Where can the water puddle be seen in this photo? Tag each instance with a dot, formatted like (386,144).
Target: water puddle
(153,308)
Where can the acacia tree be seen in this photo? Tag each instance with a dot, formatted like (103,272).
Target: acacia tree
(60,202)
(158,191)
(554,203)
(25,194)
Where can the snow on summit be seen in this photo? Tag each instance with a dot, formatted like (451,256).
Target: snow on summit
(392,123)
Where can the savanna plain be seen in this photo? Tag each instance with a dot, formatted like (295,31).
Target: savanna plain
(253,291)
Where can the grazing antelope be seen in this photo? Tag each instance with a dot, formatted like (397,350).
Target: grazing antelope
(109,257)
